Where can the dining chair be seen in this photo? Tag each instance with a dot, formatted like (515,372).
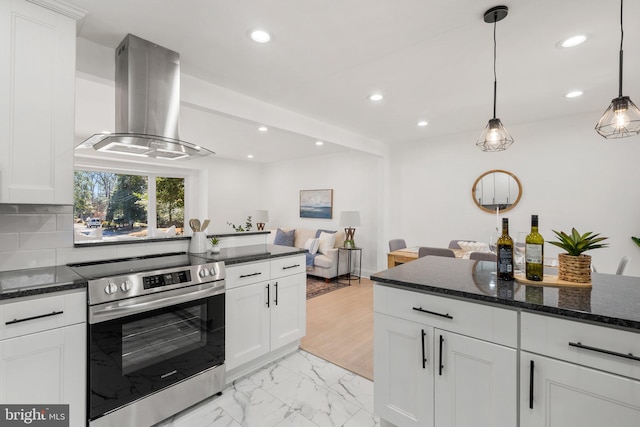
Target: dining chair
(622,265)
(424,251)
(483,256)
(395,244)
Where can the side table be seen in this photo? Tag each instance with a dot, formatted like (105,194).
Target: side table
(349,253)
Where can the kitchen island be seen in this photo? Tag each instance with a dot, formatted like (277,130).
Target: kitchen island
(455,346)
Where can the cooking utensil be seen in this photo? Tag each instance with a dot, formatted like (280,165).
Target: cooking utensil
(205,224)
(192,225)
(196,224)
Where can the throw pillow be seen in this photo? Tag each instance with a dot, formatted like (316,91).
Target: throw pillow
(312,245)
(324,231)
(284,238)
(327,242)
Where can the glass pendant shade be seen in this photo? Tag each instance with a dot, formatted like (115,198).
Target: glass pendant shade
(620,120)
(494,137)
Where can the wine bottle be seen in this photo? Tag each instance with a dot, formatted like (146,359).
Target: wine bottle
(505,253)
(534,252)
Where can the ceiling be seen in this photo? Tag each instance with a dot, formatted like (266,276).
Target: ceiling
(431,59)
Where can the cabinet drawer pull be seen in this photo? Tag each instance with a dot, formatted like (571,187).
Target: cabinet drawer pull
(531,365)
(424,358)
(600,350)
(422,310)
(291,266)
(26,319)
(440,363)
(242,276)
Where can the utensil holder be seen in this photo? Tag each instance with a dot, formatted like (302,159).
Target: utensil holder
(198,243)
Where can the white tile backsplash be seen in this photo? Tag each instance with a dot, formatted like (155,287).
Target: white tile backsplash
(31,235)
(49,240)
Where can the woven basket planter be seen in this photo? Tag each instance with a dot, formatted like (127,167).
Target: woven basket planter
(574,268)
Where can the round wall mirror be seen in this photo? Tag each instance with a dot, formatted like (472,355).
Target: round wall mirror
(496,189)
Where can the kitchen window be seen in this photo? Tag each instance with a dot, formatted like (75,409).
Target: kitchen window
(128,205)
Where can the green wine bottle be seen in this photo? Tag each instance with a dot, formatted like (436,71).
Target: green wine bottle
(505,253)
(534,252)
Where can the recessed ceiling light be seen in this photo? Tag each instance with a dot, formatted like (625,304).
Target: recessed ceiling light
(423,123)
(260,36)
(318,143)
(574,94)
(249,156)
(263,128)
(376,97)
(572,41)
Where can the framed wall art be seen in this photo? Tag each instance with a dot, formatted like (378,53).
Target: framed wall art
(316,204)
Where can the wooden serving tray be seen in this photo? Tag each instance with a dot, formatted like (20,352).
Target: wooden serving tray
(550,280)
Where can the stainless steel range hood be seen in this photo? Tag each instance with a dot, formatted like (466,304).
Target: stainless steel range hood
(147,105)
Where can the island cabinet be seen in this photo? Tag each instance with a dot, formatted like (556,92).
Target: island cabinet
(578,374)
(43,352)
(443,362)
(265,311)
(37,86)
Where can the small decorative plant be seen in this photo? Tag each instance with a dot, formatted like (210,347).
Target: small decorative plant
(247,225)
(214,245)
(637,240)
(576,243)
(575,266)
(214,240)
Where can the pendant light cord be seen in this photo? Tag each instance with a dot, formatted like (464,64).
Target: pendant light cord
(495,78)
(621,40)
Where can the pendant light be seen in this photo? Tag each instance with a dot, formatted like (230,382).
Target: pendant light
(495,136)
(622,118)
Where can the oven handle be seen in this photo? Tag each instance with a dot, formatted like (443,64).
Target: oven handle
(178,296)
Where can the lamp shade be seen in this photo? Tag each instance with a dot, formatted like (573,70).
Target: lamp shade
(622,119)
(495,137)
(350,218)
(261,216)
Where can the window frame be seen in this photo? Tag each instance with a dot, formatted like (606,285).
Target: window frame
(191,190)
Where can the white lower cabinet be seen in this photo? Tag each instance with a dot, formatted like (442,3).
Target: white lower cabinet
(558,393)
(264,315)
(47,364)
(430,376)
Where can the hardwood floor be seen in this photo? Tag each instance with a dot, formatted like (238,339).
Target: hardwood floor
(340,327)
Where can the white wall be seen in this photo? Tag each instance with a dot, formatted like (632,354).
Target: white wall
(571,177)
(356,182)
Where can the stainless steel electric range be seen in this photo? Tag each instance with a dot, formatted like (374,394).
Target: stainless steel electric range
(156,336)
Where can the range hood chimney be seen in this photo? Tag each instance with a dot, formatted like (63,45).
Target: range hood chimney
(147,105)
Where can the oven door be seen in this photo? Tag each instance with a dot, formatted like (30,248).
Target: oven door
(134,355)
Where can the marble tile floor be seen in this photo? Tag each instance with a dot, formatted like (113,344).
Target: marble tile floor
(299,390)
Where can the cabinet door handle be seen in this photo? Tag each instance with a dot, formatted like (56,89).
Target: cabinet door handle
(422,310)
(268,295)
(276,286)
(291,266)
(26,319)
(531,365)
(242,276)
(601,350)
(424,357)
(440,363)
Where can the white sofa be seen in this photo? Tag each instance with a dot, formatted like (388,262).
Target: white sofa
(324,264)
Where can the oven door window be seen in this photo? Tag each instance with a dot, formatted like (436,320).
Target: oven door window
(133,356)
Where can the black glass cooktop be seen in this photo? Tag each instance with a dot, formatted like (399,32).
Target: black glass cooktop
(123,266)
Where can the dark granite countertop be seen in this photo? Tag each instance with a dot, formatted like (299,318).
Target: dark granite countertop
(250,253)
(33,281)
(612,300)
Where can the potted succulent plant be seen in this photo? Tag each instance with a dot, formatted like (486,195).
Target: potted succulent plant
(215,248)
(575,266)
(637,240)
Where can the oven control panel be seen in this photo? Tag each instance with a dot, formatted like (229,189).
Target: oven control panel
(149,282)
(165,279)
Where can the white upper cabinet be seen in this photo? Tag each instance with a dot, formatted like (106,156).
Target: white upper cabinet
(37,81)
